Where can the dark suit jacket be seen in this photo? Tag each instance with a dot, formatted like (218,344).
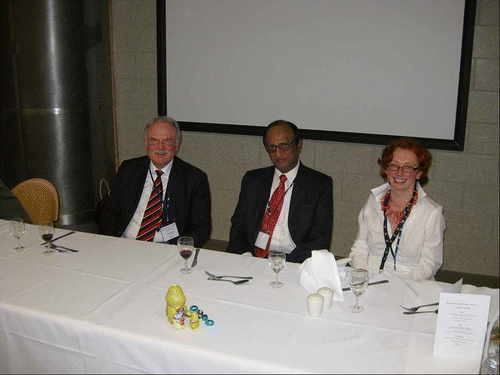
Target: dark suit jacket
(310,216)
(189,199)
(10,206)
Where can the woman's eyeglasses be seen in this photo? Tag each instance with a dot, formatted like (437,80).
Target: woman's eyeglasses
(406,169)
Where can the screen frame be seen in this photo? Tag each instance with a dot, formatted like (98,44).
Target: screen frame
(455,144)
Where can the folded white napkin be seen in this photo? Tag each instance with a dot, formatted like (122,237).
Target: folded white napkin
(321,270)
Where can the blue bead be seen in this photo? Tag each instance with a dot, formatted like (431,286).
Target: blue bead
(204,317)
(194,308)
(209,322)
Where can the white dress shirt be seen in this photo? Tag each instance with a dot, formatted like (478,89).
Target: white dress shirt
(135,223)
(420,251)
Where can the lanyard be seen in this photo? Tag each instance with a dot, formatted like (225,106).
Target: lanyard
(397,232)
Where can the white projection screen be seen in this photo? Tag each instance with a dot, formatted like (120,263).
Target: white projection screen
(362,71)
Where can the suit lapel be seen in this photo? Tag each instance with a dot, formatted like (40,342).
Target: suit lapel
(298,191)
(262,192)
(137,181)
(174,189)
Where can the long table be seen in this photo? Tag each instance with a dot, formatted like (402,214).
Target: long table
(102,310)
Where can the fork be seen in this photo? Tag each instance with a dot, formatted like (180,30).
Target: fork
(61,249)
(231,281)
(220,277)
(420,312)
(417,307)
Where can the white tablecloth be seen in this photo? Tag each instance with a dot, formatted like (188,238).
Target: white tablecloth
(103,310)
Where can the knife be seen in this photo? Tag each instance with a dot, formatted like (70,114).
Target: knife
(374,283)
(195,260)
(54,239)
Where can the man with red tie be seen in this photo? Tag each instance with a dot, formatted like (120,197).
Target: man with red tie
(288,206)
(159,197)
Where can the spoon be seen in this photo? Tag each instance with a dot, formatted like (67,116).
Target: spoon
(231,281)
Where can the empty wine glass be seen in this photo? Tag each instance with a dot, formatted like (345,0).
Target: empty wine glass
(46,230)
(185,245)
(277,261)
(358,283)
(17,230)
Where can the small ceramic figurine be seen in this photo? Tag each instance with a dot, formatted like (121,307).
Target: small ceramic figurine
(176,309)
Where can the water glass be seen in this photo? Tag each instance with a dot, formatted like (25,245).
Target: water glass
(277,261)
(358,284)
(17,230)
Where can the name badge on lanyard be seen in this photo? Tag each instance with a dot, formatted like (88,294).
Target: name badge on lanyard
(262,239)
(169,231)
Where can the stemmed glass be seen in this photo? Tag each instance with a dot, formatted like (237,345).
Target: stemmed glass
(277,261)
(17,230)
(185,245)
(358,283)
(46,230)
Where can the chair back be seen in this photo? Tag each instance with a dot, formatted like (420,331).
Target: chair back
(39,199)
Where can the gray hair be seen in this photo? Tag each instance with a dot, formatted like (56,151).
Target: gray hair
(168,120)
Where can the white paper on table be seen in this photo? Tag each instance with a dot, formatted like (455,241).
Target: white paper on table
(454,288)
(461,326)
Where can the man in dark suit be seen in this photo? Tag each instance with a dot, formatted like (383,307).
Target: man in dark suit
(10,206)
(299,217)
(176,191)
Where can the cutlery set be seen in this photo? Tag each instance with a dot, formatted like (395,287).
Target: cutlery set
(244,279)
(60,248)
(212,277)
(414,310)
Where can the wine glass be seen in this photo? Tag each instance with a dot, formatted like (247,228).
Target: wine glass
(17,230)
(46,230)
(185,245)
(277,261)
(358,283)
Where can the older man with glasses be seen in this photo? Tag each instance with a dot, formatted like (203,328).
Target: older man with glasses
(287,206)
(159,197)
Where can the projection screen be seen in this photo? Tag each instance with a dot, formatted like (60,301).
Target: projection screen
(342,70)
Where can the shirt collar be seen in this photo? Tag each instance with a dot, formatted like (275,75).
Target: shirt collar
(379,191)
(290,175)
(166,169)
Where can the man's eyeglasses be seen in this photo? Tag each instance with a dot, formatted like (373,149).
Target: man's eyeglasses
(165,142)
(406,169)
(281,146)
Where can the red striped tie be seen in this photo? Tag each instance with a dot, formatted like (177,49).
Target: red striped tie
(271,216)
(154,212)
